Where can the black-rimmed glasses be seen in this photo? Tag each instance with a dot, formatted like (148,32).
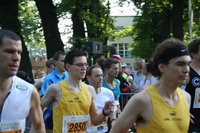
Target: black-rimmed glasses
(81,65)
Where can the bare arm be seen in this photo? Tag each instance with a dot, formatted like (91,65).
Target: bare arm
(113,116)
(95,117)
(50,95)
(38,84)
(187,97)
(188,101)
(35,114)
(132,111)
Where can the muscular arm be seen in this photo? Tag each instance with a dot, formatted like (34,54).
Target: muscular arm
(187,97)
(95,117)
(132,111)
(50,95)
(35,114)
(38,84)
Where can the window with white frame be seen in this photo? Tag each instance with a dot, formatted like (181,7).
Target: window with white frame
(123,49)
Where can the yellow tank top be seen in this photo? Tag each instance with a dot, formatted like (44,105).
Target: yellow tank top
(71,114)
(165,118)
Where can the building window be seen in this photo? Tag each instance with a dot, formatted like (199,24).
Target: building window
(123,49)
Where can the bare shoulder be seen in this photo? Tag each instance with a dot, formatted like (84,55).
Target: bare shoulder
(35,94)
(142,98)
(187,97)
(35,98)
(54,88)
(186,94)
(90,89)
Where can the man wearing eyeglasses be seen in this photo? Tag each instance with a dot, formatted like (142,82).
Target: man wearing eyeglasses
(58,73)
(73,101)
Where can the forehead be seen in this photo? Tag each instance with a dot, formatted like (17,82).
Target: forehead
(96,71)
(181,59)
(9,43)
(115,65)
(80,59)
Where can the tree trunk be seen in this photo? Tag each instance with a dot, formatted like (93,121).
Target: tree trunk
(78,25)
(92,29)
(177,19)
(49,19)
(9,20)
(166,26)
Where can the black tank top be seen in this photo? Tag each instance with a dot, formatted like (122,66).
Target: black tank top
(193,88)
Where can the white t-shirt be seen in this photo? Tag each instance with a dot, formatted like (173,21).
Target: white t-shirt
(146,81)
(101,98)
(16,106)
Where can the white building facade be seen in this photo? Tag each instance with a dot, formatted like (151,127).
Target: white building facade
(123,45)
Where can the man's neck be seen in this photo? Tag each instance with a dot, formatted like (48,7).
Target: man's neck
(166,89)
(5,84)
(76,84)
(98,90)
(109,79)
(60,72)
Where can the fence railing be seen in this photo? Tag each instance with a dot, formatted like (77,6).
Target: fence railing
(124,97)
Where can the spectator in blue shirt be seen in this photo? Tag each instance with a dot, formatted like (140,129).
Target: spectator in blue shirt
(59,73)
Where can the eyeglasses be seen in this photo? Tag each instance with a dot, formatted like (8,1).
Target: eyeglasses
(81,65)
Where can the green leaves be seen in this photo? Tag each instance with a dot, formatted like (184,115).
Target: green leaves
(31,24)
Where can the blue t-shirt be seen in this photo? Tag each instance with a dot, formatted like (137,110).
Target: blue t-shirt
(51,78)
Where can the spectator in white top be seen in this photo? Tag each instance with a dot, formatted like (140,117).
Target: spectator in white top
(148,78)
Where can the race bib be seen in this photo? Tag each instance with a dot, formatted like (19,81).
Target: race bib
(100,128)
(12,131)
(75,124)
(12,127)
(197,98)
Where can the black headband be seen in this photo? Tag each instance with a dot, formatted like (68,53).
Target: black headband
(173,53)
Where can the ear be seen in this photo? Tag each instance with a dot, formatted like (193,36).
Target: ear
(54,63)
(88,78)
(162,67)
(193,54)
(67,66)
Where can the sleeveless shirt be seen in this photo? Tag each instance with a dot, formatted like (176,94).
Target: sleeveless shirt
(16,106)
(116,90)
(71,114)
(165,118)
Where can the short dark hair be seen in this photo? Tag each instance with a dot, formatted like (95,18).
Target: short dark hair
(101,62)
(89,70)
(49,63)
(149,66)
(194,46)
(69,58)
(8,34)
(109,62)
(168,49)
(57,54)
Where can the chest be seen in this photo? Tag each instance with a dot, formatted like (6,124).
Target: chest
(167,118)
(72,103)
(15,106)
(2,98)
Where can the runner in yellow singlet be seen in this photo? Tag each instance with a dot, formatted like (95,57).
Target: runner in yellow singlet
(164,107)
(73,101)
